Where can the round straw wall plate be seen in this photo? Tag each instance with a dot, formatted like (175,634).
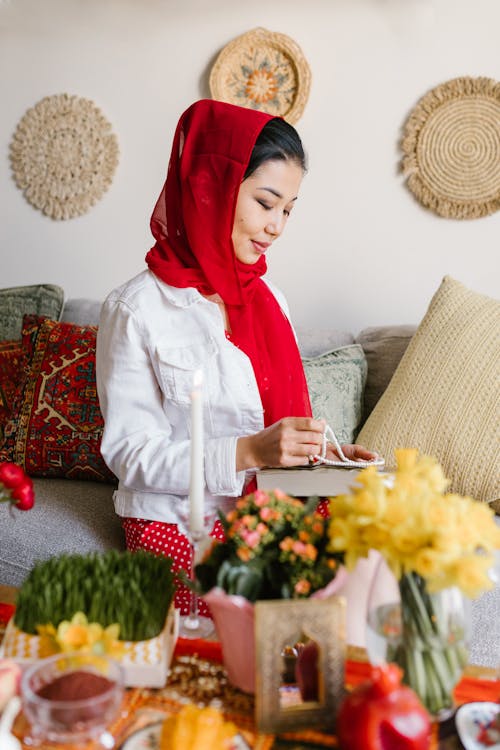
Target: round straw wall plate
(451,148)
(64,155)
(263,70)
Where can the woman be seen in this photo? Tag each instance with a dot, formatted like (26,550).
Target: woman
(233,179)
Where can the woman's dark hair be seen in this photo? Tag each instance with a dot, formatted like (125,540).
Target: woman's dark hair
(278,140)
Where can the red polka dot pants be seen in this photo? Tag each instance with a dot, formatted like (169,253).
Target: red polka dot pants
(323,508)
(166,539)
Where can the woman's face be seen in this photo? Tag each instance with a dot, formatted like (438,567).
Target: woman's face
(264,203)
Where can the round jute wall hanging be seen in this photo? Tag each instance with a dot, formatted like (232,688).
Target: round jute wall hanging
(63,155)
(263,70)
(452,148)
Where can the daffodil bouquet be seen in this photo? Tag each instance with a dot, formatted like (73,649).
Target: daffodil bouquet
(446,539)
(276,547)
(431,540)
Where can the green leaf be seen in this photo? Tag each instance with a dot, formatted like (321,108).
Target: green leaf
(249,584)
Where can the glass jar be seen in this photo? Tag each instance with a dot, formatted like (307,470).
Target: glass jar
(426,634)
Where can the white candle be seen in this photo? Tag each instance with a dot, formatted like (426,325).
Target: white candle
(197,475)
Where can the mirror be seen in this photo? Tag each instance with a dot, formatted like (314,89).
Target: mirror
(301,678)
(300,651)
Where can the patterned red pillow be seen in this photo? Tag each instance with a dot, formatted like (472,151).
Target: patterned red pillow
(56,425)
(10,375)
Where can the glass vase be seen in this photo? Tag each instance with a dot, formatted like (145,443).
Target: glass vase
(426,634)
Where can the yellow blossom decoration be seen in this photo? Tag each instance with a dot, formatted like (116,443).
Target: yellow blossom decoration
(78,634)
(447,539)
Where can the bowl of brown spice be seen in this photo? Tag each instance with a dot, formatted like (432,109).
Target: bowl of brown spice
(72,697)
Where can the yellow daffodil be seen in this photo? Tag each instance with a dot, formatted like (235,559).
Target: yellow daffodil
(431,541)
(428,563)
(447,539)
(78,634)
(48,644)
(406,459)
(471,574)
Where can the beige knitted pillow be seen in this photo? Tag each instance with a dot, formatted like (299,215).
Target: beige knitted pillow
(444,396)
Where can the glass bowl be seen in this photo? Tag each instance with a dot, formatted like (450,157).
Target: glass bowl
(71,698)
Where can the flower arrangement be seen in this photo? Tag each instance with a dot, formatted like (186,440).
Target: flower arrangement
(276,548)
(446,539)
(15,486)
(437,544)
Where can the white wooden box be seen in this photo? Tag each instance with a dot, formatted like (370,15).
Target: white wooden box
(145,663)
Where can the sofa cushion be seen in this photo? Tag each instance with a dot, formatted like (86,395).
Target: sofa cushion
(383,347)
(37,299)
(336,381)
(56,425)
(443,397)
(314,341)
(68,516)
(10,373)
(82,311)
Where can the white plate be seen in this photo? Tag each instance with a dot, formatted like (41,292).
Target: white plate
(148,738)
(469,720)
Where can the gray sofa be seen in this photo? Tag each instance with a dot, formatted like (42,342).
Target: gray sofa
(78,516)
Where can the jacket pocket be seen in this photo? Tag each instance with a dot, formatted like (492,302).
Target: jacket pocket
(177,366)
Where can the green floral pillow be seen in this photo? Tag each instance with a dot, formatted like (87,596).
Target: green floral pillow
(38,299)
(336,382)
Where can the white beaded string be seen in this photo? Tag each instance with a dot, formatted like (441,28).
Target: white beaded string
(329,436)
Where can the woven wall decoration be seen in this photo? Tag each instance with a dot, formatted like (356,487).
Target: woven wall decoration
(63,155)
(263,70)
(452,148)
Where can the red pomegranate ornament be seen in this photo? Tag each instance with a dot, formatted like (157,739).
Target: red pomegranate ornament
(383,714)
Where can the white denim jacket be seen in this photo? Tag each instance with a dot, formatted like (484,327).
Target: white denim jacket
(151,339)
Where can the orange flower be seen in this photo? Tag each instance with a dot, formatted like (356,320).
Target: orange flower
(302,587)
(311,552)
(249,521)
(244,554)
(280,495)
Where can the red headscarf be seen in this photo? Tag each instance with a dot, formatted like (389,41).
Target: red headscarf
(192,223)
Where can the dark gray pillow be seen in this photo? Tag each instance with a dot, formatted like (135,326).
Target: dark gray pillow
(82,311)
(37,299)
(383,346)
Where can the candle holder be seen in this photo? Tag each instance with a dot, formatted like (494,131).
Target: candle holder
(195,625)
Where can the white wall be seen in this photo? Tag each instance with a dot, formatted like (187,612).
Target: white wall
(359,249)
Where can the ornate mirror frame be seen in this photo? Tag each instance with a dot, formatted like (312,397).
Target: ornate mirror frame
(276,625)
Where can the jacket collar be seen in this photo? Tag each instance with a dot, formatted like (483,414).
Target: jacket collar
(178,296)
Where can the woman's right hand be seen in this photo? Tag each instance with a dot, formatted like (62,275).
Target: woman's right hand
(288,442)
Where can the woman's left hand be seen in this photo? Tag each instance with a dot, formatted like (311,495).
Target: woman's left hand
(352,451)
